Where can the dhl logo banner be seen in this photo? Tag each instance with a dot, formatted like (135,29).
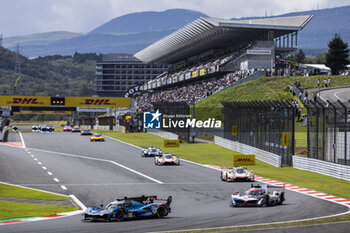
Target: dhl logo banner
(110,102)
(243,160)
(171,143)
(40,101)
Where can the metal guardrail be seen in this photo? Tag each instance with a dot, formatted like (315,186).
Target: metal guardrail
(322,167)
(264,156)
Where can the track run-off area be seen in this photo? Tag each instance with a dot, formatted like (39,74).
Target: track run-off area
(99,172)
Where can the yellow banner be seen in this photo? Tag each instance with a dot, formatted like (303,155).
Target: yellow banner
(171,143)
(234,130)
(243,160)
(39,101)
(202,72)
(285,138)
(110,102)
(44,112)
(194,74)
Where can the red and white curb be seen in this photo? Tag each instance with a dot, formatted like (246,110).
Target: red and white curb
(294,188)
(34,219)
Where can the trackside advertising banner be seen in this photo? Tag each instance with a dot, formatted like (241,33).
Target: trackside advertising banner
(38,101)
(110,102)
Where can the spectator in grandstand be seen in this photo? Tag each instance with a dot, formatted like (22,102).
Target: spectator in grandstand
(189,93)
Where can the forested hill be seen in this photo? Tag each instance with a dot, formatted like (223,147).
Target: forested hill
(48,76)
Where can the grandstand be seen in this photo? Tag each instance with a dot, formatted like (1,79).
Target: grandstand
(211,54)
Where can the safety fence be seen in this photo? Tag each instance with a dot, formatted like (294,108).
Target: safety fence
(264,156)
(267,125)
(328,131)
(322,167)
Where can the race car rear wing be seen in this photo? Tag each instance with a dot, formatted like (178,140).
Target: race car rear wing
(146,199)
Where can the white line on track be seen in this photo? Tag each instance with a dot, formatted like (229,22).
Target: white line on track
(50,173)
(324,100)
(44,168)
(35,159)
(63,187)
(336,94)
(32,156)
(102,160)
(78,202)
(57,180)
(23,144)
(39,163)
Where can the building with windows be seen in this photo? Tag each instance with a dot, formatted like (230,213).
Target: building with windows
(116,73)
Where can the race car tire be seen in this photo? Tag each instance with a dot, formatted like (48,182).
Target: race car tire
(119,215)
(281,199)
(267,200)
(161,211)
(222,179)
(226,177)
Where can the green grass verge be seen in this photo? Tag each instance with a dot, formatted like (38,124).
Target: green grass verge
(212,154)
(17,192)
(265,88)
(10,210)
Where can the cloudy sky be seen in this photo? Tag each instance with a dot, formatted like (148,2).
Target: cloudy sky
(23,17)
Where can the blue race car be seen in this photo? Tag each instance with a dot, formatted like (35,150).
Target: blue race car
(127,208)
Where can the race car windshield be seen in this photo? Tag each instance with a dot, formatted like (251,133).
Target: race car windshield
(97,135)
(153,150)
(168,156)
(253,192)
(114,205)
(240,171)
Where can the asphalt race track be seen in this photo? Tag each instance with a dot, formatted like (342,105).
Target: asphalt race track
(99,172)
(335,94)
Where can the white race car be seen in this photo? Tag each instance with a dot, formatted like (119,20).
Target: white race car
(237,174)
(258,196)
(151,152)
(166,159)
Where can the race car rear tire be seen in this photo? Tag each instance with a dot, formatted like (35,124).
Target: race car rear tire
(267,200)
(161,212)
(119,215)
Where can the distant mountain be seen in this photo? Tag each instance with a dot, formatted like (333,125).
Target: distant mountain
(129,33)
(148,22)
(313,39)
(133,32)
(95,43)
(38,38)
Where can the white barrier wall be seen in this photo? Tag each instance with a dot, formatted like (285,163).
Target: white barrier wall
(322,167)
(101,127)
(163,134)
(264,156)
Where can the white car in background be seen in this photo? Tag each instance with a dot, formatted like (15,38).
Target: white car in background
(167,159)
(237,174)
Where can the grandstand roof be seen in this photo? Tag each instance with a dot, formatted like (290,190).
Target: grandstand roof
(208,33)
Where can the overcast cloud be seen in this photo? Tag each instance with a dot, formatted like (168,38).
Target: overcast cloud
(23,17)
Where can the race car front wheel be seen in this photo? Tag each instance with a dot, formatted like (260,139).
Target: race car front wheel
(119,215)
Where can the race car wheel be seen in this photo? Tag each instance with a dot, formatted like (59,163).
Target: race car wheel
(282,199)
(221,176)
(226,177)
(119,215)
(161,211)
(267,200)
